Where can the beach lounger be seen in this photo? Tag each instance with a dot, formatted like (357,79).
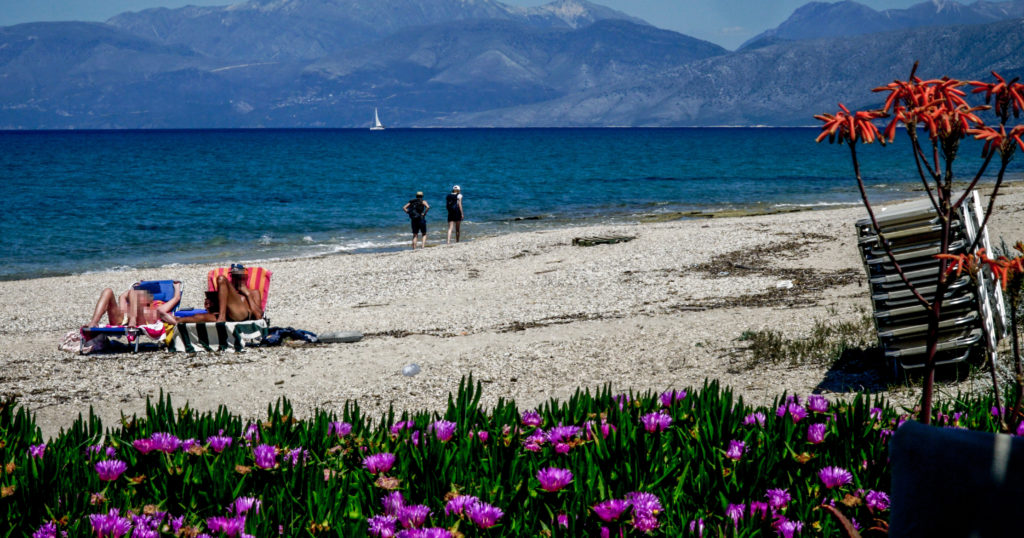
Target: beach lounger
(231,336)
(161,290)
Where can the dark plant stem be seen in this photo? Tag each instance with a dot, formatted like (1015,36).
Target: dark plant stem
(915,146)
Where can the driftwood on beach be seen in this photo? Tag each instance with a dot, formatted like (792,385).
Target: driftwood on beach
(601,240)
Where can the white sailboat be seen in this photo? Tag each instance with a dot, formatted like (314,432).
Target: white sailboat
(377,125)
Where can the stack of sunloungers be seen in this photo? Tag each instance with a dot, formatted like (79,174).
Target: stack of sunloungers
(972,311)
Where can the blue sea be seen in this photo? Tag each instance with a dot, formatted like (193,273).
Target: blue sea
(87,201)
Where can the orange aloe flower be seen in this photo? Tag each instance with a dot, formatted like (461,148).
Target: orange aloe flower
(850,126)
(1009,95)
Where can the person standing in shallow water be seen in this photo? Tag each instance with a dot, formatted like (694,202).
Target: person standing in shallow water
(454,205)
(417,210)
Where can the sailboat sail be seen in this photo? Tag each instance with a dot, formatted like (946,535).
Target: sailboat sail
(377,125)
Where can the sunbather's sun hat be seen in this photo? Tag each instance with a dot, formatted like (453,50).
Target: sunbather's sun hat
(456,188)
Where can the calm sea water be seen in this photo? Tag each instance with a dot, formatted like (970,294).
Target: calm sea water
(87,201)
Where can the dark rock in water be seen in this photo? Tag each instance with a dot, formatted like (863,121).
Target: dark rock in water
(341,337)
(535,217)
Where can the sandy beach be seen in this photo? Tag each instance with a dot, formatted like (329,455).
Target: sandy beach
(528,314)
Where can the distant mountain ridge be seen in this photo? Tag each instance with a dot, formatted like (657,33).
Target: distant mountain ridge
(284,30)
(822,19)
(568,63)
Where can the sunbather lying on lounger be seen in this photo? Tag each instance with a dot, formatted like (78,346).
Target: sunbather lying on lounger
(134,306)
(236,301)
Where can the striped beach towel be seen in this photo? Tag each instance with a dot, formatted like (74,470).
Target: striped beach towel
(256,278)
(228,336)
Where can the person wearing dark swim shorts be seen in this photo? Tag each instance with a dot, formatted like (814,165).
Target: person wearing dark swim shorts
(417,209)
(455,216)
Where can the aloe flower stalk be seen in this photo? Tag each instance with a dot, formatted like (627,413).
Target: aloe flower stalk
(382,526)
(611,510)
(459,505)
(877,500)
(36,451)
(735,451)
(443,430)
(484,515)
(110,470)
(554,479)
(531,418)
(266,456)
(47,530)
(219,442)
(834,477)
(656,422)
(379,463)
(816,433)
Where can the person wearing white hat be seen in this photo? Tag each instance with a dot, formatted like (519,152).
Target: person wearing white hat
(454,203)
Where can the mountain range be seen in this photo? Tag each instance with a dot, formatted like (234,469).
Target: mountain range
(457,63)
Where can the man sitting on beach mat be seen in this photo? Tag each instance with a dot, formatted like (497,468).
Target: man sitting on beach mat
(233,300)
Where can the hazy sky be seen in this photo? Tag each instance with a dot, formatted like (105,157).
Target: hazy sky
(725,22)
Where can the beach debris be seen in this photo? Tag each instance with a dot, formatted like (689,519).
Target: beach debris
(411,369)
(341,337)
(601,240)
(784,284)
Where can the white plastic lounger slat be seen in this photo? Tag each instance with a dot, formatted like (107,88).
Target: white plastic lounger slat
(957,342)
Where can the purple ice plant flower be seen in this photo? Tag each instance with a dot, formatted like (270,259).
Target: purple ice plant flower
(877,500)
(443,430)
(483,436)
(297,455)
(697,525)
(796,412)
(672,396)
(176,524)
(561,434)
(604,428)
(110,470)
(610,510)
(231,526)
(144,446)
(753,419)
(531,418)
(402,425)
(875,413)
(817,403)
(735,451)
(787,528)
(36,451)
(433,532)
(339,429)
(266,456)
(622,399)
(644,504)
(164,442)
(816,433)
(219,442)
(110,525)
(47,530)
(484,515)
(777,499)
(244,505)
(735,513)
(393,503)
(251,433)
(187,444)
(645,523)
(535,440)
(834,477)
(379,463)
(413,516)
(656,422)
(554,479)
(1020,429)
(382,526)
(459,505)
